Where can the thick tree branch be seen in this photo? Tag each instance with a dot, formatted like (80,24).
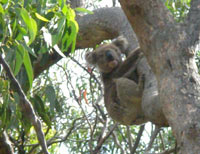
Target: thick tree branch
(26,106)
(152,23)
(105,23)
(147,17)
(193,22)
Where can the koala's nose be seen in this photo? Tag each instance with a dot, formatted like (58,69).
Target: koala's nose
(109,56)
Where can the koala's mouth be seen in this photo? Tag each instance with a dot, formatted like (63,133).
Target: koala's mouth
(113,64)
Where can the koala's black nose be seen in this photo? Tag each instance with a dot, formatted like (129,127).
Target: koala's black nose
(109,56)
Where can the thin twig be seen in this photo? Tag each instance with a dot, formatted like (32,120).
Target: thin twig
(129,137)
(26,106)
(117,142)
(138,139)
(98,147)
(152,138)
(162,142)
(55,139)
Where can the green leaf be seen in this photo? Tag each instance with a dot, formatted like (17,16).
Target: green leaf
(41,17)
(30,23)
(65,9)
(40,108)
(28,67)
(83,10)
(19,59)
(51,95)
(59,32)
(1,9)
(70,14)
(72,37)
(29,49)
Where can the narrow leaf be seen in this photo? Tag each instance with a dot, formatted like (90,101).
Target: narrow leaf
(74,31)
(41,17)
(30,23)
(19,59)
(28,67)
(83,10)
(51,95)
(1,9)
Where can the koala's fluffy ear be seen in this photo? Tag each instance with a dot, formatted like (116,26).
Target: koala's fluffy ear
(121,42)
(91,57)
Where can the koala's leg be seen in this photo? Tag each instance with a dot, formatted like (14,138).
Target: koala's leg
(130,96)
(128,90)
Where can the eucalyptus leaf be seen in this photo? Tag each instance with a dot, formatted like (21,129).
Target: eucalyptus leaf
(30,23)
(83,10)
(51,96)
(28,67)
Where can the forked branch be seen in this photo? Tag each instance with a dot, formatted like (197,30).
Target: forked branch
(26,106)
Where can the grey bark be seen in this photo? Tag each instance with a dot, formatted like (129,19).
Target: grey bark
(169,49)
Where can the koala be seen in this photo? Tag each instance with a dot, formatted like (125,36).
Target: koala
(123,89)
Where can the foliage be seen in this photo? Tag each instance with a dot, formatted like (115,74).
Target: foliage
(178,8)
(28,31)
(68,97)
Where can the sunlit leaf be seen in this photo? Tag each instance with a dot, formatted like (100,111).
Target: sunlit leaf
(1,9)
(72,37)
(41,17)
(83,10)
(30,23)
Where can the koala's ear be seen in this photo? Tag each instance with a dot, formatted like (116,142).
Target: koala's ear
(91,57)
(121,42)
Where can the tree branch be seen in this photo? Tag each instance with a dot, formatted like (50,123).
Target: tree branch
(117,142)
(98,147)
(193,22)
(104,24)
(152,138)
(26,106)
(138,139)
(146,16)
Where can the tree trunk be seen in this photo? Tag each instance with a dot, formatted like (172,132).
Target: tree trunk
(170,48)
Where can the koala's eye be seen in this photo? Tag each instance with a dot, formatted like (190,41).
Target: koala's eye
(109,55)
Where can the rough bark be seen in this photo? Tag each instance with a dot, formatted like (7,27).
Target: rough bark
(169,49)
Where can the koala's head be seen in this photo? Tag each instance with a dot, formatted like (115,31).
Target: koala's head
(107,57)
